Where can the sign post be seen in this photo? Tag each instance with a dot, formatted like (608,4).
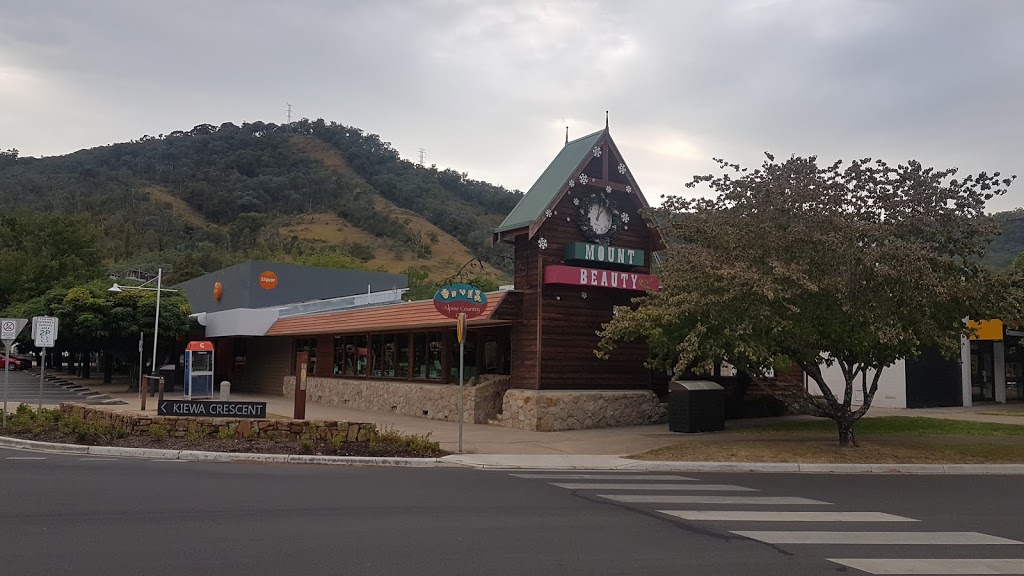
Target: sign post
(301,368)
(9,330)
(460,302)
(461,334)
(44,333)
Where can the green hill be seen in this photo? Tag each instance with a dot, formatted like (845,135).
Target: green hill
(311,192)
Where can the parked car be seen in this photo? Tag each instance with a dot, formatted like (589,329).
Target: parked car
(15,363)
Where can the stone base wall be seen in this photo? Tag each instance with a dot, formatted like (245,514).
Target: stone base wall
(548,411)
(426,400)
(182,426)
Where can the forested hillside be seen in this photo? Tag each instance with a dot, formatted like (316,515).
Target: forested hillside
(310,192)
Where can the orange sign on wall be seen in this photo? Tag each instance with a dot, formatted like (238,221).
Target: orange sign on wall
(218,291)
(986,329)
(268,280)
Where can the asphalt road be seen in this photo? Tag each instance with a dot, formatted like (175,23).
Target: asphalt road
(62,514)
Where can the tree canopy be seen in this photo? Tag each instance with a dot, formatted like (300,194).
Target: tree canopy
(856,265)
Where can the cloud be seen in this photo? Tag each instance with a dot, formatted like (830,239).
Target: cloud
(487,87)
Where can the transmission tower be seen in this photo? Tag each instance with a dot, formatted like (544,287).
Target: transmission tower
(423,155)
(289,112)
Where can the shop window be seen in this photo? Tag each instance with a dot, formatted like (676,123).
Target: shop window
(389,355)
(470,367)
(377,355)
(360,357)
(402,355)
(307,345)
(426,354)
(239,352)
(342,359)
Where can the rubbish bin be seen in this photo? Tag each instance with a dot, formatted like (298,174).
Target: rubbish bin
(167,371)
(695,406)
(225,390)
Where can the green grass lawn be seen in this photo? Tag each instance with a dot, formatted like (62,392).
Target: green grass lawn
(893,425)
(883,440)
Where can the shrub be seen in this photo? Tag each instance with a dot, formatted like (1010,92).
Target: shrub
(225,434)
(306,446)
(158,431)
(392,439)
(338,440)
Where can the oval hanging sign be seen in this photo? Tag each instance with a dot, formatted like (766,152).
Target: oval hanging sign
(452,299)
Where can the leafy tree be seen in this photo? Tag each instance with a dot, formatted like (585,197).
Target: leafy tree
(40,251)
(856,266)
(92,319)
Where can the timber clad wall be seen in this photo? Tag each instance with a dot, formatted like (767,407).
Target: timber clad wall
(554,346)
(268,362)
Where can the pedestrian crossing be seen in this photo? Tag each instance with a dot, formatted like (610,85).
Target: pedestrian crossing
(753,513)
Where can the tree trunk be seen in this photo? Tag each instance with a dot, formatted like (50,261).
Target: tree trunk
(108,367)
(846,435)
(86,364)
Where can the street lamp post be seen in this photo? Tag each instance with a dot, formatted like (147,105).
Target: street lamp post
(116,288)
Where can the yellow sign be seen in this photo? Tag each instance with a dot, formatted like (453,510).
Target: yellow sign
(986,329)
(461,331)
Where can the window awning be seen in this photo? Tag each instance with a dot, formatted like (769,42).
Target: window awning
(404,316)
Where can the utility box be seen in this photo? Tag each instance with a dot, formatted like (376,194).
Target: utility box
(198,370)
(695,406)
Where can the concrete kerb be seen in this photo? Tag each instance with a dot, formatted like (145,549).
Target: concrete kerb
(516,461)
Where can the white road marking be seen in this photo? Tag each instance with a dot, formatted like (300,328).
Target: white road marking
(99,459)
(703,499)
(166,460)
(934,565)
(25,458)
(652,487)
(903,538)
(765,516)
(600,477)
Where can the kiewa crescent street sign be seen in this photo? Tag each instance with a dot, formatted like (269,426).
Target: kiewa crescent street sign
(212,409)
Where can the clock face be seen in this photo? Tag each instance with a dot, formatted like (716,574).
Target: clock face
(600,218)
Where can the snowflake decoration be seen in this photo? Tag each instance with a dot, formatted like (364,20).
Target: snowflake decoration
(547,213)
(583,295)
(572,183)
(576,201)
(625,218)
(629,189)
(625,227)
(607,189)
(583,178)
(622,168)
(597,151)
(542,243)
(567,219)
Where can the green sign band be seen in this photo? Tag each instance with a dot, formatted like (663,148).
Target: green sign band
(585,252)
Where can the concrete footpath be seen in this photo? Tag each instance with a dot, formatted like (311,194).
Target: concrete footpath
(483,439)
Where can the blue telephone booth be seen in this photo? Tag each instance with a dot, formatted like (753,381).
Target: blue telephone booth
(199,370)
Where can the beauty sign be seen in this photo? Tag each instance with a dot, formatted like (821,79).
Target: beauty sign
(453,299)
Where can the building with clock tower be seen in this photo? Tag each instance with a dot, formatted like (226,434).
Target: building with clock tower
(583,245)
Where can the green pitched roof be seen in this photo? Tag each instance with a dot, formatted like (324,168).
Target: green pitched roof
(547,187)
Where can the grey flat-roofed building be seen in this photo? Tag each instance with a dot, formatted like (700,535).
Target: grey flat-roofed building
(262,284)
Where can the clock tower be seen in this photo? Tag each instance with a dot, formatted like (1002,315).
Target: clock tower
(584,244)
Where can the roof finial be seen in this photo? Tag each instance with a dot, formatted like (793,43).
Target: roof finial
(566,134)
(605,119)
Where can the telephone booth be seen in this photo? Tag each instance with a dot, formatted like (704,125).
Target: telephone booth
(199,370)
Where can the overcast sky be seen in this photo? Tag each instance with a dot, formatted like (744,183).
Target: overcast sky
(487,87)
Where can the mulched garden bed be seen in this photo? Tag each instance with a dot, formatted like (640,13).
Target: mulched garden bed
(211,444)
